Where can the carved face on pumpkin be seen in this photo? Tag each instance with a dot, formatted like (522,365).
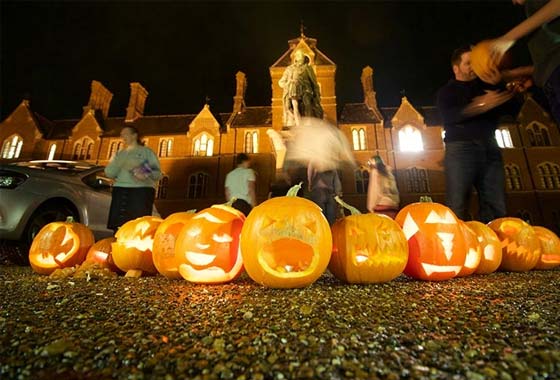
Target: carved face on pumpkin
(207,248)
(368,248)
(490,246)
(286,242)
(521,248)
(474,251)
(435,241)
(60,245)
(550,245)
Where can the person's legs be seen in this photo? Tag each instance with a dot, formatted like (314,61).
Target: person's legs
(243,206)
(552,91)
(490,185)
(460,173)
(330,209)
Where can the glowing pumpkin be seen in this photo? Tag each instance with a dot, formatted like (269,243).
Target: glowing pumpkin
(286,242)
(207,247)
(474,252)
(550,248)
(100,253)
(491,248)
(60,245)
(367,248)
(163,251)
(436,246)
(132,252)
(521,247)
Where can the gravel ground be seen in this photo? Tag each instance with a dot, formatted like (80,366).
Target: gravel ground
(500,326)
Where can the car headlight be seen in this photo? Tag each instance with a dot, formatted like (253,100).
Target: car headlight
(11,180)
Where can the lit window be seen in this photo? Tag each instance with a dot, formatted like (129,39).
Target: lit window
(410,139)
(359,139)
(52,151)
(503,137)
(251,142)
(165,147)
(203,145)
(12,147)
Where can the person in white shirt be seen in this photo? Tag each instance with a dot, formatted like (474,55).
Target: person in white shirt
(240,184)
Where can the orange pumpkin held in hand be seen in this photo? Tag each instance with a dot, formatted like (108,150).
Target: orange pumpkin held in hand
(100,253)
(481,62)
(132,252)
(367,248)
(436,246)
(490,246)
(474,252)
(207,247)
(550,248)
(521,248)
(286,242)
(163,251)
(60,245)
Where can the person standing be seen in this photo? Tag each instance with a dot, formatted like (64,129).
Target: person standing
(324,186)
(241,184)
(136,170)
(383,194)
(469,110)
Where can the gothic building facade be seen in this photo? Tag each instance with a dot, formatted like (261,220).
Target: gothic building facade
(196,151)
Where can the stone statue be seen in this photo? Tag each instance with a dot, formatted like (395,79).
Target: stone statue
(301,91)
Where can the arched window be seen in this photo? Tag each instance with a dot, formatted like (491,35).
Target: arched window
(513,177)
(77,150)
(203,145)
(52,151)
(114,147)
(549,174)
(83,149)
(11,148)
(417,180)
(251,142)
(538,135)
(161,191)
(359,139)
(503,137)
(197,186)
(165,147)
(362,180)
(410,139)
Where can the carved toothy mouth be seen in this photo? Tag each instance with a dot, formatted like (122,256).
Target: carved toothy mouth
(199,258)
(287,257)
(429,269)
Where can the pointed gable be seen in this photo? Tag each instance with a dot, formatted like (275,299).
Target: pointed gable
(24,121)
(206,121)
(532,111)
(309,47)
(407,114)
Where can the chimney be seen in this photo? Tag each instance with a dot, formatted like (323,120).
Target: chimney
(99,100)
(239,98)
(135,109)
(367,85)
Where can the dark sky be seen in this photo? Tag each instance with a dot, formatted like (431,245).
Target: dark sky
(183,51)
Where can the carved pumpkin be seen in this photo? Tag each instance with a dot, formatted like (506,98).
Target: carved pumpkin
(367,248)
(436,246)
(521,247)
(163,251)
(207,247)
(60,245)
(490,246)
(132,252)
(101,254)
(286,242)
(550,248)
(474,252)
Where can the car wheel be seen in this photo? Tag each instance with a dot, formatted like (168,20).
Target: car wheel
(43,216)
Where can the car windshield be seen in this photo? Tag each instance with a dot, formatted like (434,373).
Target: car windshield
(70,167)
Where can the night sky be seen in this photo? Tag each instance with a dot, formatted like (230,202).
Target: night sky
(182,51)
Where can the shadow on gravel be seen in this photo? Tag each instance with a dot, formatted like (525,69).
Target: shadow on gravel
(13,253)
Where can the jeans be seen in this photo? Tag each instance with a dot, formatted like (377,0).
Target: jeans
(324,198)
(552,91)
(475,163)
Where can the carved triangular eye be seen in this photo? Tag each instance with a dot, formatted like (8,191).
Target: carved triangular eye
(409,227)
(267,221)
(311,226)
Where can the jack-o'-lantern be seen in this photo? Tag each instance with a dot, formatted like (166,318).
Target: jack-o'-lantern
(207,247)
(521,247)
(436,246)
(550,248)
(101,254)
(474,252)
(490,246)
(286,242)
(132,252)
(367,248)
(60,245)
(163,251)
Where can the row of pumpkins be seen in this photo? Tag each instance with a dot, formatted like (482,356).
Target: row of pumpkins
(286,242)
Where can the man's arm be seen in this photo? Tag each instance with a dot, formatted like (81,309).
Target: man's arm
(252,193)
(228,193)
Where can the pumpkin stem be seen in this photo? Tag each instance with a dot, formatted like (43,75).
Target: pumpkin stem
(353,210)
(69,219)
(426,199)
(192,211)
(294,190)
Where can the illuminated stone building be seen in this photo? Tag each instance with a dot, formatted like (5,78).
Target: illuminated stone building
(198,150)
